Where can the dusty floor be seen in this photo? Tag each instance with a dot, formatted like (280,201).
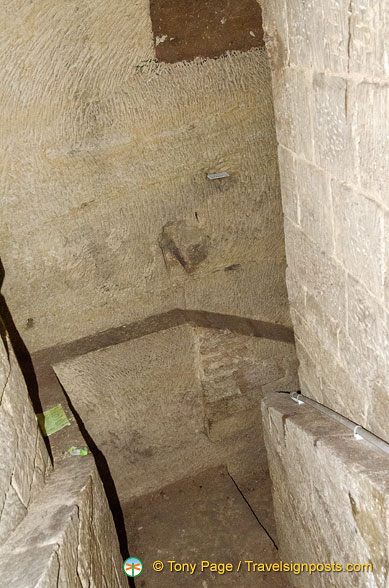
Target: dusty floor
(204,518)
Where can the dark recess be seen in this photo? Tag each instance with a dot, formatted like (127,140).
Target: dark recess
(204,28)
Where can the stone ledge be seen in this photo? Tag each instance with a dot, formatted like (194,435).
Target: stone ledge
(331,494)
(52,545)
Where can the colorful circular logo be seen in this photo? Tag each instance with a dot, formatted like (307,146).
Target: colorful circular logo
(132,566)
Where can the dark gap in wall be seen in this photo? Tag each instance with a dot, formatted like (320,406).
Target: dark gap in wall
(186,29)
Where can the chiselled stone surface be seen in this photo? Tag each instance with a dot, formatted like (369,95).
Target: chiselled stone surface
(361,219)
(24,462)
(330,495)
(292,91)
(178,396)
(67,539)
(318,35)
(105,146)
(369,38)
(334,147)
(186,244)
(330,91)
(235,371)
(315,207)
(290,202)
(372,136)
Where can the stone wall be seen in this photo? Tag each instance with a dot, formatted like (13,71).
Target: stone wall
(56,528)
(235,372)
(68,538)
(25,462)
(108,214)
(330,77)
(330,495)
(177,401)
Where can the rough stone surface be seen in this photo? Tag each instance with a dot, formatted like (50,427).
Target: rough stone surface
(105,146)
(236,371)
(174,402)
(25,462)
(200,518)
(330,86)
(67,539)
(330,495)
(184,243)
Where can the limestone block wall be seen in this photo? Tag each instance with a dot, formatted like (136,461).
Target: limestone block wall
(56,528)
(25,463)
(330,495)
(105,160)
(68,538)
(330,77)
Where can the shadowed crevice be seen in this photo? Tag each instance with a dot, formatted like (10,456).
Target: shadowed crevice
(107,480)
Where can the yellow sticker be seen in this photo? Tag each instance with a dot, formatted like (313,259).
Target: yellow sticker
(52,420)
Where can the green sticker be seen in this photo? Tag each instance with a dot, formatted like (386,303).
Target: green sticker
(77,450)
(52,420)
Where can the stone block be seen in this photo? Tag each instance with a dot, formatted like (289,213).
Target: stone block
(313,186)
(334,147)
(296,292)
(290,199)
(42,467)
(68,554)
(292,90)
(366,318)
(334,510)
(386,259)
(334,42)
(324,377)
(310,381)
(321,275)
(275,25)
(239,421)
(234,369)
(325,328)
(38,568)
(359,235)
(369,372)
(369,38)
(319,35)
(371,138)
(25,459)
(12,514)
(9,445)
(87,546)
(377,413)
(54,539)
(18,440)
(304,29)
